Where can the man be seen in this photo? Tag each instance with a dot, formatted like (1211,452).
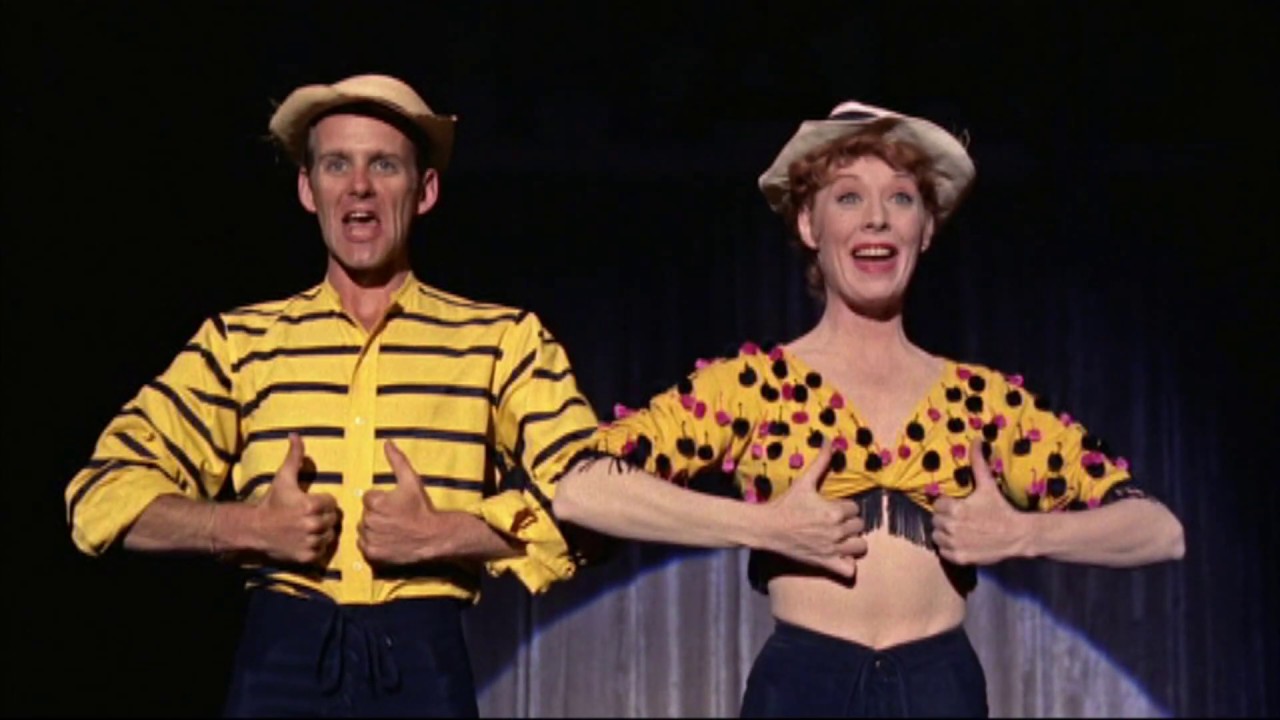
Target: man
(362,448)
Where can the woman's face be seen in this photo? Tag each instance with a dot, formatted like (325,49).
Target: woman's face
(868,225)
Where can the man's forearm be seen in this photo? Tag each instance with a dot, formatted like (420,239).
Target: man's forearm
(1126,533)
(178,524)
(472,538)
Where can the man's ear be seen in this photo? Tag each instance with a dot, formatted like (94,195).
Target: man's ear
(430,190)
(305,196)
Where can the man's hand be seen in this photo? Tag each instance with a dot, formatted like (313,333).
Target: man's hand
(982,528)
(814,530)
(292,525)
(400,526)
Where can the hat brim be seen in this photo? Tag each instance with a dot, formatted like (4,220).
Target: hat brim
(952,166)
(292,121)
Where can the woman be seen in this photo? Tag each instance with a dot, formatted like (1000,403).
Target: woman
(876,474)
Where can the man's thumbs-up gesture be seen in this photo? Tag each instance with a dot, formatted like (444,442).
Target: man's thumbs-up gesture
(400,526)
(815,530)
(292,524)
(982,528)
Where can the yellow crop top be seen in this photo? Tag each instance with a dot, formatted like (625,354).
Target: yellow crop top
(763,415)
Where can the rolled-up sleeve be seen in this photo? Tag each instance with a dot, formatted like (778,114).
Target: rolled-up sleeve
(540,419)
(176,436)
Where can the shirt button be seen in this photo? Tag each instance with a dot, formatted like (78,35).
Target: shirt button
(359,420)
(359,493)
(357,566)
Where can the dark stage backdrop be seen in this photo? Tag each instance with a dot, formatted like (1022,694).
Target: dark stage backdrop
(1113,252)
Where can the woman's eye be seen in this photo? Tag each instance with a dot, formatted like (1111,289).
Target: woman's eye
(904,198)
(849,198)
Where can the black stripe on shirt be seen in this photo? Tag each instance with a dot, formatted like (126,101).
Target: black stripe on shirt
(441,350)
(433,389)
(457,302)
(442,322)
(192,420)
(313,316)
(215,400)
(311,351)
(106,468)
(431,434)
(545,374)
(304,478)
(305,431)
(516,479)
(256,312)
(174,449)
(134,445)
(555,447)
(524,363)
(220,326)
(246,329)
(212,362)
(439,481)
(291,387)
(537,417)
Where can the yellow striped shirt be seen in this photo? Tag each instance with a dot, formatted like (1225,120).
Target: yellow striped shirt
(480,397)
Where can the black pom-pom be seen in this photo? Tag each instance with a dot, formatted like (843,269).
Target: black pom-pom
(954,394)
(1013,398)
(769,392)
(915,431)
(815,439)
(827,417)
(813,380)
(779,428)
(1057,486)
(774,450)
(764,487)
(686,447)
(706,452)
(741,427)
(976,383)
(838,461)
(931,461)
(973,404)
(964,476)
(800,393)
(955,425)
(663,465)
(863,437)
(747,377)
(685,387)
(990,431)
(1055,462)
(779,369)
(873,463)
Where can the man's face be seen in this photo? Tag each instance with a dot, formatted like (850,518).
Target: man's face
(365,188)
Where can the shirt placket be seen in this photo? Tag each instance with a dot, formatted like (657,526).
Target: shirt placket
(361,430)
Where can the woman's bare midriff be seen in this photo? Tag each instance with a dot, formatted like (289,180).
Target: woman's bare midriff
(901,593)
